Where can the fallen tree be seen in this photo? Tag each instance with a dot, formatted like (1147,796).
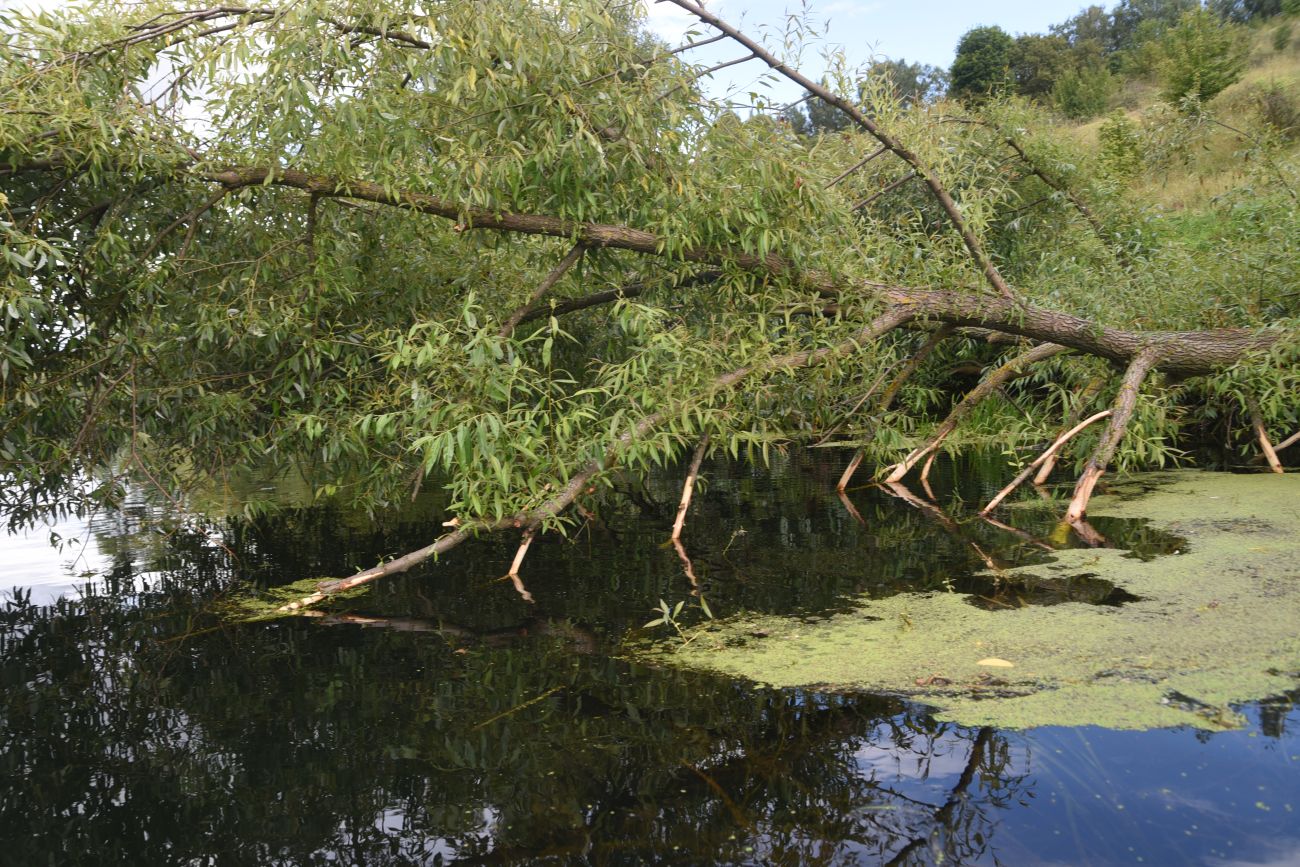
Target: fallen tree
(407,246)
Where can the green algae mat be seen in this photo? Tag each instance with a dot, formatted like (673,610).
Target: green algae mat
(1215,624)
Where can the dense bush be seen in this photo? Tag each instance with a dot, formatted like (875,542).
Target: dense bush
(1201,57)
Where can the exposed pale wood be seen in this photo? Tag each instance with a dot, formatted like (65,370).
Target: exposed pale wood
(1043,459)
(891,393)
(688,488)
(1121,413)
(992,381)
(513,574)
(1261,435)
(1090,391)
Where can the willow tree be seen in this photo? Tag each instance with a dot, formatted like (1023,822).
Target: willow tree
(505,249)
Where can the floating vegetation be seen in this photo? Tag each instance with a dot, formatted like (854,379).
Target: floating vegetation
(1208,626)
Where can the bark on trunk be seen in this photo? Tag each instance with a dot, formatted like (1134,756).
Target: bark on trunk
(1183,353)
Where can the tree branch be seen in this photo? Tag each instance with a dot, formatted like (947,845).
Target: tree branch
(891,392)
(570,259)
(1012,369)
(937,189)
(688,488)
(1183,353)
(1121,412)
(892,318)
(1042,459)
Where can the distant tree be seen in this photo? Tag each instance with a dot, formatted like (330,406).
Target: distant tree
(1135,22)
(911,83)
(1200,57)
(1092,29)
(982,65)
(815,117)
(1038,62)
(1243,11)
(1083,93)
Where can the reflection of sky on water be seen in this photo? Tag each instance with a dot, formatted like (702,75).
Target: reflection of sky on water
(62,557)
(48,570)
(943,758)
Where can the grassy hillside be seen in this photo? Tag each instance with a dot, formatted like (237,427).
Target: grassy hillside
(1263,110)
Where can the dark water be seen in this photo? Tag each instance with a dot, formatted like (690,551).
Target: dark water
(440,718)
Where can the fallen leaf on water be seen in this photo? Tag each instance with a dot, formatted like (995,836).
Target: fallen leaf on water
(996,663)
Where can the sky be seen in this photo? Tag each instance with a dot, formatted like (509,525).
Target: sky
(918,30)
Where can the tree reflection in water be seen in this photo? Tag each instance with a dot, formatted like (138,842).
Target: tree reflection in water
(440,718)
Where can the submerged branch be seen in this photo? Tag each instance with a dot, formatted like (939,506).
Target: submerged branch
(891,392)
(688,488)
(1261,435)
(1042,459)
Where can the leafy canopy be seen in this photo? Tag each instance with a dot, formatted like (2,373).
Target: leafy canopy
(239,241)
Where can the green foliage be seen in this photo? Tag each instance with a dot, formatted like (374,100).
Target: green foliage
(1244,11)
(1279,108)
(982,65)
(910,84)
(1282,37)
(162,329)
(1083,94)
(1038,62)
(1121,147)
(1201,57)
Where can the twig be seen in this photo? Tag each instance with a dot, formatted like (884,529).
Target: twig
(891,392)
(853,168)
(890,188)
(505,713)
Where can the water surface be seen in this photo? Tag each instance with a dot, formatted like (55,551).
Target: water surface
(440,718)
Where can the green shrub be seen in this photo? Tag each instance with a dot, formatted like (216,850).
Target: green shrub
(1083,94)
(1121,147)
(1279,108)
(1201,57)
(1282,37)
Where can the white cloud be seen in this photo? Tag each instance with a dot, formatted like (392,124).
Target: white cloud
(671,22)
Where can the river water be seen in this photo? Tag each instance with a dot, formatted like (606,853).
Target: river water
(439,718)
